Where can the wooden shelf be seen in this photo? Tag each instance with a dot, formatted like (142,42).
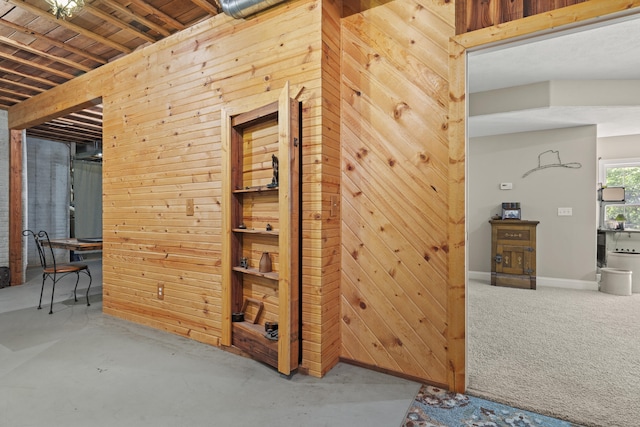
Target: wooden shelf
(251,339)
(272,275)
(255,189)
(254,231)
(248,199)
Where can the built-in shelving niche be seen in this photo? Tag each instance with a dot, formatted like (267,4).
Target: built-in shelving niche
(260,214)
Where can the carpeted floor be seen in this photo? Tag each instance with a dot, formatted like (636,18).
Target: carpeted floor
(434,407)
(569,354)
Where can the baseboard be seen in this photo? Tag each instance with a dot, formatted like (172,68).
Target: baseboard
(550,282)
(479,276)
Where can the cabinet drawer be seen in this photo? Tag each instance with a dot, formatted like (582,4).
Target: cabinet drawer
(514,235)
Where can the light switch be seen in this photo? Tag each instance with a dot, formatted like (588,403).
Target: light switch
(190,207)
(506,186)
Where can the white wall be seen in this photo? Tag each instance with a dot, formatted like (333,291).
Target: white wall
(567,244)
(619,147)
(4,189)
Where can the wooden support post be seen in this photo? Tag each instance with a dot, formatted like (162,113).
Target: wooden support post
(15,207)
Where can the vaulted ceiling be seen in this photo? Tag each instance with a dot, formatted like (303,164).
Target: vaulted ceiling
(39,52)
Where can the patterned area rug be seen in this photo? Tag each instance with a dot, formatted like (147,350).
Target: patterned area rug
(434,407)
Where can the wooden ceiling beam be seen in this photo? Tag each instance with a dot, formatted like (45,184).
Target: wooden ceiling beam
(53,42)
(28,76)
(60,135)
(27,48)
(85,119)
(14,93)
(32,64)
(21,85)
(60,127)
(94,113)
(5,100)
(170,21)
(22,4)
(135,17)
(206,6)
(77,123)
(118,23)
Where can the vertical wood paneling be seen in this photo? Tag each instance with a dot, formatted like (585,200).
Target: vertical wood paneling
(395,195)
(456,317)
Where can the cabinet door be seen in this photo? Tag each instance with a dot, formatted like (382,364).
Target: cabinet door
(515,259)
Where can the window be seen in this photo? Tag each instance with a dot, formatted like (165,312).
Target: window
(623,173)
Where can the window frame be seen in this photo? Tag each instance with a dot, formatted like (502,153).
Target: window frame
(603,165)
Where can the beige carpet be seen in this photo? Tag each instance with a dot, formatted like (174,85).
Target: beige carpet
(569,354)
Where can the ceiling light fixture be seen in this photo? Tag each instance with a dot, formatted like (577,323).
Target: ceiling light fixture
(65,8)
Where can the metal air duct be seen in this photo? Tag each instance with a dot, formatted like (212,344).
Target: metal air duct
(243,8)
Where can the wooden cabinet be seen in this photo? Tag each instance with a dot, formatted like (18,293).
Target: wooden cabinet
(260,219)
(513,253)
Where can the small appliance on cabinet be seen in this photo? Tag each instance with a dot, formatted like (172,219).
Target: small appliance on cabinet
(513,253)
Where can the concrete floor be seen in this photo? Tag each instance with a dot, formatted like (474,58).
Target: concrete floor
(79,367)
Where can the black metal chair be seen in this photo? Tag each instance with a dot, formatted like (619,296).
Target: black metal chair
(51,269)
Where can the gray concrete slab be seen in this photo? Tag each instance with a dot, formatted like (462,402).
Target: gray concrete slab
(80,367)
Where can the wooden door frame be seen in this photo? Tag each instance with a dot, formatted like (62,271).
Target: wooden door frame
(579,15)
(21,117)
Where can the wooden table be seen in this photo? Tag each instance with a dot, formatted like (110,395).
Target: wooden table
(74,245)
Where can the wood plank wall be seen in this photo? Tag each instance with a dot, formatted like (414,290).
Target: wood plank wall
(388,137)
(162,147)
(320,190)
(476,14)
(395,202)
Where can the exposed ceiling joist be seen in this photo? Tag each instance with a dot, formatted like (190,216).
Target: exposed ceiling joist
(67,24)
(39,52)
(53,42)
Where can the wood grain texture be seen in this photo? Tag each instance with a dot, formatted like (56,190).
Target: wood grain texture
(383,282)
(395,189)
(15,207)
(165,146)
(473,15)
(456,289)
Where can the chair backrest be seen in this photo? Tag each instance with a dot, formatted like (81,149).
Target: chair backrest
(41,239)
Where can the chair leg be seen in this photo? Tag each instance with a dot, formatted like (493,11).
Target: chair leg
(53,290)
(76,287)
(41,292)
(90,280)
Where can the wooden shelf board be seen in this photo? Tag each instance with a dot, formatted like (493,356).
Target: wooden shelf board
(251,339)
(255,189)
(272,275)
(254,231)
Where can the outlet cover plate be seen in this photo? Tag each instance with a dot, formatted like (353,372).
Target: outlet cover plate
(565,211)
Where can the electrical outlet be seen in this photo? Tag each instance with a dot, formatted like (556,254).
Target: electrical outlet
(333,210)
(565,211)
(160,291)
